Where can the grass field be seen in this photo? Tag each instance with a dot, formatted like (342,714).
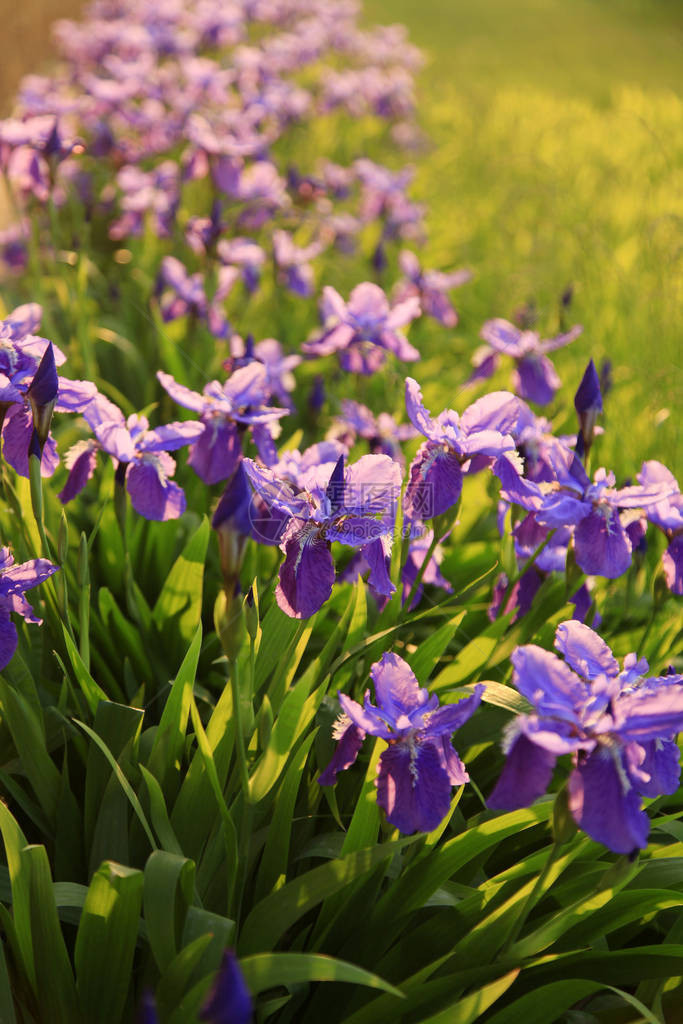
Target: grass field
(556,157)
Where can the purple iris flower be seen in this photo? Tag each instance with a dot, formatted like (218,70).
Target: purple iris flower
(147,195)
(456,445)
(30,390)
(280,379)
(431,287)
(226,411)
(668,516)
(293,262)
(617,726)
(183,294)
(536,379)
(355,505)
(364,329)
(420,765)
(14,581)
(601,543)
(141,455)
(245,256)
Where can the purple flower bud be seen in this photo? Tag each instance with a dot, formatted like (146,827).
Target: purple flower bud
(42,394)
(588,405)
(229,1001)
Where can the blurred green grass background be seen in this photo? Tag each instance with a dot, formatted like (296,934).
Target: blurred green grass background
(556,158)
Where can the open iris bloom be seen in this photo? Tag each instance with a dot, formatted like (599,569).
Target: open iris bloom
(457,445)
(618,727)
(14,581)
(601,544)
(364,329)
(668,516)
(355,505)
(226,411)
(431,287)
(535,377)
(141,455)
(184,294)
(420,765)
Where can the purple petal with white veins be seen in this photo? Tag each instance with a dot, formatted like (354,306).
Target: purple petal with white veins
(307,573)
(344,756)
(26,575)
(372,486)
(413,787)
(435,482)
(514,487)
(605,803)
(449,717)
(450,760)
(602,546)
(526,776)
(152,494)
(536,379)
(643,497)
(584,650)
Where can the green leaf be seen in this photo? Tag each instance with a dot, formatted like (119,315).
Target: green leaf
(175,979)
(425,658)
(269,970)
(469,1009)
(179,606)
(291,719)
(123,781)
(15,841)
(271,918)
(276,850)
(546,1003)
(105,942)
(7,1014)
(278,631)
(169,740)
(473,657)
(92,692)
(55,986)
(28,735)
(168,888)
(159,815)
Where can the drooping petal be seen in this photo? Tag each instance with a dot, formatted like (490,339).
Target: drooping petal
(584,650)
(152,494)
(17,431)
(377,554)
(215,454)
(180,394)
(344,756)
(602,545)
(278,494)
(662,762)
(8,638)
(413,787)
(307,573)
(26,575)
(81,461)
(435,482)
(536,379)
(672,562)
(526,776)
(502,336)
(418,414)
(170,436)
(605,803)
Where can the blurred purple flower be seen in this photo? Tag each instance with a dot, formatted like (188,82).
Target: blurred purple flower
(430,287)
(535,377)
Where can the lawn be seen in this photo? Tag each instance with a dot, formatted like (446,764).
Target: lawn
(555,157)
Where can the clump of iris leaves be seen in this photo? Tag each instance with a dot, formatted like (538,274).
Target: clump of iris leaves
(191,180)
